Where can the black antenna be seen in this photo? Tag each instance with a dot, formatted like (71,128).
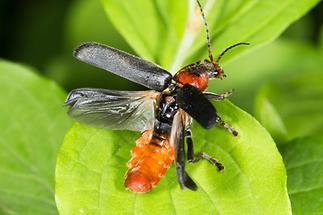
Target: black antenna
(207,32)
(227,49)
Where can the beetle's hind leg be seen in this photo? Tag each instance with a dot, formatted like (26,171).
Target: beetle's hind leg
(189,143)
(202,155)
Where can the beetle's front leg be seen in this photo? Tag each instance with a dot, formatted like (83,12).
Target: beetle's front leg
(219,121)
(218,97)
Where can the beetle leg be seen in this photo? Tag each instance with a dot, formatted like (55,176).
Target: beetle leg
(218,97)
(177,140)
(225,125)
(189,143)
(203,155)
(199,156)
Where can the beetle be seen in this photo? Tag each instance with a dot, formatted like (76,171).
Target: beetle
(162,114)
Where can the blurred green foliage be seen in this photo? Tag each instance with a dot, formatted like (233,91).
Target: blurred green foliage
(296,106)
(86,21)
(281,82)
(32,125)
(31,31)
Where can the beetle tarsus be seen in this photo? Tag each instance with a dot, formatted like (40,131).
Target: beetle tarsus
(225,125)
(203,155)
(218,97)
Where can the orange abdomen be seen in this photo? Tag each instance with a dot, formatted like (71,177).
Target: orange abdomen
(151,157)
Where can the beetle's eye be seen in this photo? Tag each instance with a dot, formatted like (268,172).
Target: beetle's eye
(213,74)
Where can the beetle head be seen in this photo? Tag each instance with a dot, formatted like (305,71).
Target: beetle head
(214,69)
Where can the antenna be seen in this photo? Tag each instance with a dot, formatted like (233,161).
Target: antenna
(227,49)
(207,32)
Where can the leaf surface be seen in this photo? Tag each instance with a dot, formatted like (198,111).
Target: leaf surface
(303,159)
(32,124)
(92,163)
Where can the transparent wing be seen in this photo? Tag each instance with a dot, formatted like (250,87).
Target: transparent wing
(177,141)
(117,110)
(125,65)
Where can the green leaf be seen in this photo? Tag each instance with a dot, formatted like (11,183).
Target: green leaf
(32,124)
(269,116)
(79,28)
(149,26)
(172,33)
(92,163)
(296,106)
(303,160)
